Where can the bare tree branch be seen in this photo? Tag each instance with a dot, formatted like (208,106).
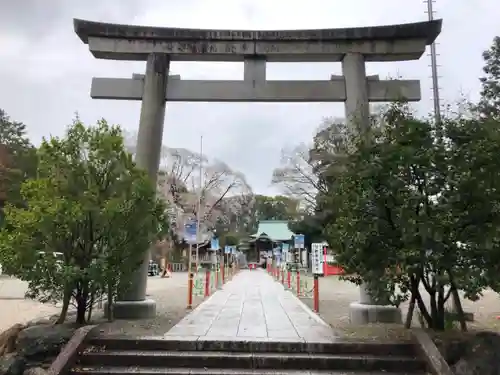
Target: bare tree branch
(224,194)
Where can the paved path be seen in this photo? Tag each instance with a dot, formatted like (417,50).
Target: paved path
(253,307)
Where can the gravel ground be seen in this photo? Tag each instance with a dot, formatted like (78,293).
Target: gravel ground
(15,309)
(336,295)
(170,295)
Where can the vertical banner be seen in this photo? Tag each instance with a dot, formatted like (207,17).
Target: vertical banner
(214,244)
(304,258)
(190,232)
(277,255)
(285,248)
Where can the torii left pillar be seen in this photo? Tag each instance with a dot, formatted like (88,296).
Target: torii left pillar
(132,303)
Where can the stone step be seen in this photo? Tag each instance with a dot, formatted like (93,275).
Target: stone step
(213,371)
(238,360)
(337,347)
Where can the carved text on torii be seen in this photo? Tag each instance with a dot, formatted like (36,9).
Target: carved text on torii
(244,48)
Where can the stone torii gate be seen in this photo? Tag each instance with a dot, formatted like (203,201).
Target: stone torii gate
(158,46)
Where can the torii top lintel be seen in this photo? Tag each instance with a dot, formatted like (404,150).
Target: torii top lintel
(130,42)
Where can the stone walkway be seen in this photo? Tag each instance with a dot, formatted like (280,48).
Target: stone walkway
(253,307)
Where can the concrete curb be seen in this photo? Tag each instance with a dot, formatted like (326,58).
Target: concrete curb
(430,353)
(306,308)
(68,355)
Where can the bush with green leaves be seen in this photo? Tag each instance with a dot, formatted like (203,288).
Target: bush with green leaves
(91,214)
(418,204)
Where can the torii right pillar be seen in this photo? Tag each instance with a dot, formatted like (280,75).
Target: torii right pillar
(357,111)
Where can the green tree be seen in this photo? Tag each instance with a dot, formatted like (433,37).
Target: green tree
(17,159)
(489,104)
(277,207)
(229,239)
(326,158)
(412,208)
(89,215)
(472,198)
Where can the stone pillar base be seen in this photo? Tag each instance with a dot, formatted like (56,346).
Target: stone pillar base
(132,309)
(360,314)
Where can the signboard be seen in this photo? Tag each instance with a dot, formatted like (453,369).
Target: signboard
(190,232)
(214,244)
(317,258)
(298,241)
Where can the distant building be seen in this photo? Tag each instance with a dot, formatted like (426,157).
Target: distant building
(269,235)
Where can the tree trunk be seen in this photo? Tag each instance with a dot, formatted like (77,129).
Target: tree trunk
(110,303)
(81,308)
(460,310)
(90,306)
(411,309)
(437,318)
(414,283)
(423,310)
(65,306)
(441,316)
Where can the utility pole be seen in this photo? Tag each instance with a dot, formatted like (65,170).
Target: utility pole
(434,67)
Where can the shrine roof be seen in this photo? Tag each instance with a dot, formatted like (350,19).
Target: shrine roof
(277,230)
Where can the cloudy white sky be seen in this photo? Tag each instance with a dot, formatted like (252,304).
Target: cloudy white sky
(45,70)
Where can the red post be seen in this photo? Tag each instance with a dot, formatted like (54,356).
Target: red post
(298,283)
(268,266)
(216,277)
(190,291)
(316,294)
(289,279)
(222,268)
(207,283)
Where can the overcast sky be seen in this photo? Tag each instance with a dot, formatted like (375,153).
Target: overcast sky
(46,71)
